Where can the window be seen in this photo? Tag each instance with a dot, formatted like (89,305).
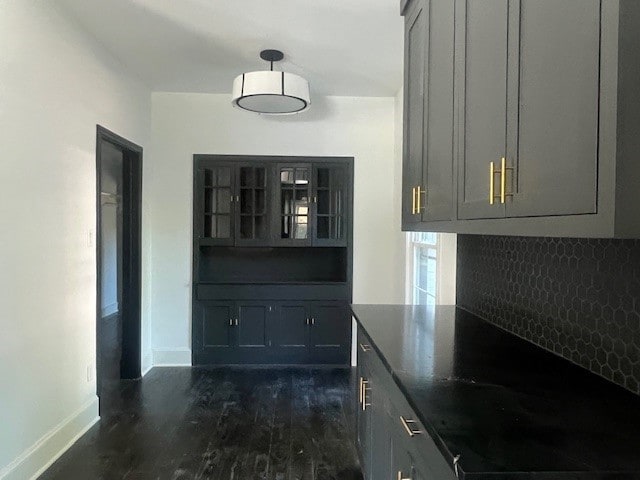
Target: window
(432,266)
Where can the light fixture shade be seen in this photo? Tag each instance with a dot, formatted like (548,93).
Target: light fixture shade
(271,93)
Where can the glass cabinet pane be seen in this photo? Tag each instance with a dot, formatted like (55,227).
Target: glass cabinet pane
(330,202)
(294,202)
(253,200)
(217,202)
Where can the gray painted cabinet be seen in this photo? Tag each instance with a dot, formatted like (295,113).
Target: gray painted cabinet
(428,104)
(384,420)
(543,92)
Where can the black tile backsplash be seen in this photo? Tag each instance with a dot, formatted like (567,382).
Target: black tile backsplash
(579,298)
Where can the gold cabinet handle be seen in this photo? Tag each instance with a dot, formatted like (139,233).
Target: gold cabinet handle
(360,391)
(503,181)
(419,194)
(406,424)
(492,177)
(413,201)
(365,348)
(364,394)
(401,477)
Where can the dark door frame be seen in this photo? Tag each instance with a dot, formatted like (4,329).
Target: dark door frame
(131,253)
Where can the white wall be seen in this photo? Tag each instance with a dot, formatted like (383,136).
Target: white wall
(184,124)
(56,84)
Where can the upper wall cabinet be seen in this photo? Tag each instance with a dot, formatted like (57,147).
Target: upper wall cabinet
(546,123)
(272,203)
(428,112)
(234,199)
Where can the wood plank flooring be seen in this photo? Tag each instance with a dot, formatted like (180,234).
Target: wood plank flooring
(222,424)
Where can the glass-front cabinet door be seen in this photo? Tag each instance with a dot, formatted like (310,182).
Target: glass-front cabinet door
(218,205)
(294,205)
(253,218)
(331,205)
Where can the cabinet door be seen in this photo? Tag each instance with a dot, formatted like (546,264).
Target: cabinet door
(437,191)
(363,420)
(330,332)
(380,431)
(481,80)
(291,330)
(217,203)
(252,324)
(293,205)
(217,323)
(557,150)
(331,205)
(252,225)
(415,43)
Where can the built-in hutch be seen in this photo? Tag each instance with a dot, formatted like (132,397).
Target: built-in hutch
(272,260)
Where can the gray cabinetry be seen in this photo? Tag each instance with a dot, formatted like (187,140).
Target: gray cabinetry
(555,154)
(272,260)
(428,104)
(482,88)
(546,118)
(391,442)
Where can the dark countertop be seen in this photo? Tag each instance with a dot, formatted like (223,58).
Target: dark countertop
(510,409)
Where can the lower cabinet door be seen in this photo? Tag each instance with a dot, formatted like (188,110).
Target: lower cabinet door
(363,418)
(290,332)
(380,431)
(215,322)
(252,324)
(330,332)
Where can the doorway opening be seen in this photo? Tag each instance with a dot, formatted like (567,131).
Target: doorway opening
(118,244)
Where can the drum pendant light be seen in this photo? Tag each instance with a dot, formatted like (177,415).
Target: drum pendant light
(269,92)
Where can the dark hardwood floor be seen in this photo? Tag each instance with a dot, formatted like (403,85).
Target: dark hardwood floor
(222,424)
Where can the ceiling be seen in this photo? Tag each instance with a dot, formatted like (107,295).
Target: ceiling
(343,47)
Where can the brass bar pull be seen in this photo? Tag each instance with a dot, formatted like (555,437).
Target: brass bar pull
(413,201)
(492,193)
(365,348)
(400,477)
(405,423)
(360,391)
(503,180)
(421,192)
(364,394)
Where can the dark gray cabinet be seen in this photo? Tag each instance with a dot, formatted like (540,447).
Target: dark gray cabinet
(293,226)
(391,442)
(545,117)
(554,150)
(272,260)
(428,117)
(482,89)
(413,144)
(529,122)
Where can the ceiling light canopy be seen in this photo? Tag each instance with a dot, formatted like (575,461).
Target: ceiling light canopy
(269,92)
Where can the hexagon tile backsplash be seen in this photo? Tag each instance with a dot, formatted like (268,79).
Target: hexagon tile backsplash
(579,298)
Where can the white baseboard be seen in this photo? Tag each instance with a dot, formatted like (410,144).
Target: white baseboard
(110,309)
(36,459)
(178,357)
(147,364)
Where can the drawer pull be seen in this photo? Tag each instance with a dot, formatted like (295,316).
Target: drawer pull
(365,348)
(400,477)
(364,394)
(406,423)
(456,459)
